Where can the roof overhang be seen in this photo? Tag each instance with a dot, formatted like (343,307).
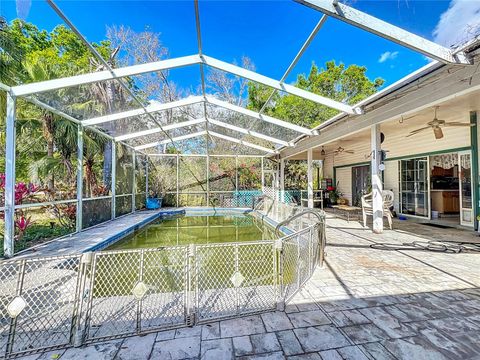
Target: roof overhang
(427,87)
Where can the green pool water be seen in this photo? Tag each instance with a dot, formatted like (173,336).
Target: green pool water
(162,267)
(206,229)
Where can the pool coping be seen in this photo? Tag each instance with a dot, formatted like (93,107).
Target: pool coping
(60,245)
(161,214)
(131,229)
(284,229)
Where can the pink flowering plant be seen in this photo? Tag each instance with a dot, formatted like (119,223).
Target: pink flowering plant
(23,192)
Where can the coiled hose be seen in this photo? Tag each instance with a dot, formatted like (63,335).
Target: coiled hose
(437,246)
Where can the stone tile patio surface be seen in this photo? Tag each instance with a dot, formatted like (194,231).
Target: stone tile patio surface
(363,304)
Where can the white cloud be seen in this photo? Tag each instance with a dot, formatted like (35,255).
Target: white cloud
(460,23)
(387,55)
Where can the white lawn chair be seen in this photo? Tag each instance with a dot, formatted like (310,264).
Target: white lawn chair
(367,207)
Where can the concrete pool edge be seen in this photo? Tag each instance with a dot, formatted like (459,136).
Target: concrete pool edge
(100,236)
(284,229)
(131,229)
(187,211)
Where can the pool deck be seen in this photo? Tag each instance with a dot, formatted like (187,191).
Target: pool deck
(100,236)
(363,304)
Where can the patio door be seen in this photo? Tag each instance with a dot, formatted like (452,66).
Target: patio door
(360,183)
(414,187)
(466,196)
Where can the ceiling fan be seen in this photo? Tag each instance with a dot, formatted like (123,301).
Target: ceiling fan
(436,125)
(341,150)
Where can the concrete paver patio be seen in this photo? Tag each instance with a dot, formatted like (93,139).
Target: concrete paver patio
(363,304)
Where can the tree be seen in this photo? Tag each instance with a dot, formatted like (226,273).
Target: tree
(230,88)
(338,82)
(46,143)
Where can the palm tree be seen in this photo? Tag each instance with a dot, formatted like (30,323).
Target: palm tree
(38,70)
(93,145)
(107,95)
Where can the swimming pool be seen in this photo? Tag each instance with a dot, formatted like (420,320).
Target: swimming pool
(197,228)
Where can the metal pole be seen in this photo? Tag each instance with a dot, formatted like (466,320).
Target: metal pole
(263,176)
(134,185)
(310,177)
(297,57)
(114,178)
(282,180)
(178,178)
(13,321)
(208,167)
(146,176)
(79,218)
(8,245)
(377,199)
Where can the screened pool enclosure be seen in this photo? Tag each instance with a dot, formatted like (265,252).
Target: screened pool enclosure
(201,149)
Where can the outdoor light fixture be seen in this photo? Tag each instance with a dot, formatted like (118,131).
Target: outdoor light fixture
(322,154)
(16,307)
(237,279)
(140,290)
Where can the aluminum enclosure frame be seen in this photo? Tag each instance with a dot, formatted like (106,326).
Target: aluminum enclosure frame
(331,8)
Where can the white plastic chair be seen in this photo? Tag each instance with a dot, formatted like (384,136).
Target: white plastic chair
(367,206)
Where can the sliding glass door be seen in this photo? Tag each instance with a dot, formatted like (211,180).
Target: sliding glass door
(465,174)
(414,188)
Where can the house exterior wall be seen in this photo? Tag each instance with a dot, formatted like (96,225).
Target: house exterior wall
(344,180)
(328,166)
(398,146)
(391,181)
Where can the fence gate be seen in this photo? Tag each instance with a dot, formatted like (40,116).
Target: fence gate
(131,292)
(235,278)
(38,299)
(56,302)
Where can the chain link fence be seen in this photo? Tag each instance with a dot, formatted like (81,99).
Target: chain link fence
(56,302)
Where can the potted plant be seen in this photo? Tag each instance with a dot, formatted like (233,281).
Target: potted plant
(154,201)
(333,194)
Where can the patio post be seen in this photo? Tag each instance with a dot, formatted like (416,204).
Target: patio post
(377,200)
(114,177)
(9,236)
(178,181)
(146,177)
(263,175)
(276,184)
(310,177)
(134,185)
(282,180)
(79,217)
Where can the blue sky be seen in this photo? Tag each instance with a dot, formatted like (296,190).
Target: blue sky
(269,32)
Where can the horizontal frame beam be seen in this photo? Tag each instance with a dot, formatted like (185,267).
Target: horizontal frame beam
(168,141)
(49,85)
(241,142)
(157,129)
(210,155)
(226,105)
(249,132)
(140,111)
(369,23)
(278,85)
